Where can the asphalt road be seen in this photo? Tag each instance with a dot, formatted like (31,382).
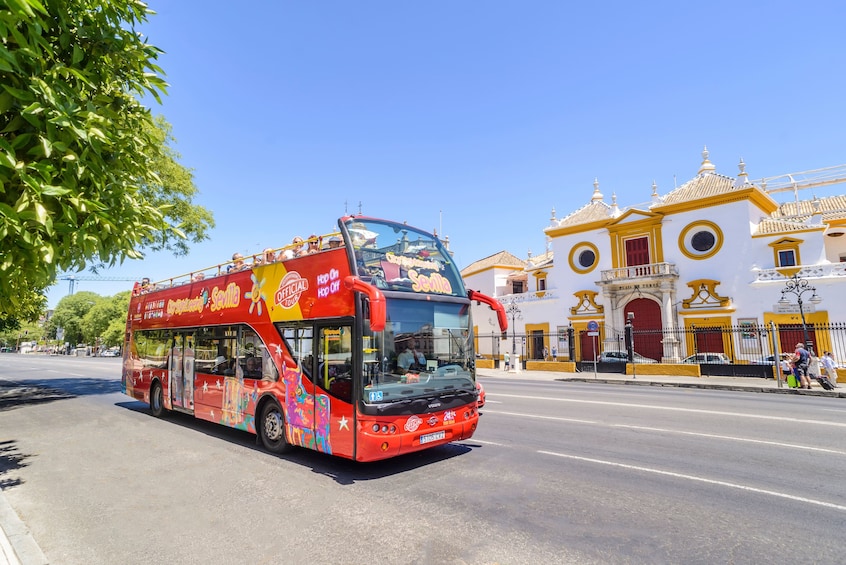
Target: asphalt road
(557,473)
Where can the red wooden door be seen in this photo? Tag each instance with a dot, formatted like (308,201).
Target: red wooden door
(637,253)
(647,327)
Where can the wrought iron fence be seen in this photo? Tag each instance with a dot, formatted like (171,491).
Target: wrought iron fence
(745,345)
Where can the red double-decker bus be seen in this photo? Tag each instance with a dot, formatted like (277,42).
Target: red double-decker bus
(359,344)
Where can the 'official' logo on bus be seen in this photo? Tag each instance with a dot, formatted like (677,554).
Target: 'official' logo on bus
(290,289)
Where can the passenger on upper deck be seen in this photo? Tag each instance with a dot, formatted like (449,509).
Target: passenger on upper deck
(238,263)
(313,244)
(334,242)
(269,255)
(294,251)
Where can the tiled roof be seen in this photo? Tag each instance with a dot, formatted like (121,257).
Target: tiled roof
(540,261)
(702,186)
(831,207)
(501,259)
(794,216)
(776,225)
(592,212)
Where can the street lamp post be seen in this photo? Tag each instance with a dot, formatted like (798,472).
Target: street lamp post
(514,311)
(799,287)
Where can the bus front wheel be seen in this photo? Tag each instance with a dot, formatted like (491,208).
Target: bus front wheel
(272,428)
(157,400)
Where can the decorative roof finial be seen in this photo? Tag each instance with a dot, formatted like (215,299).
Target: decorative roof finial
(742,177)
(707,167)
(615,210)
(552,220)
(597,196)
(654,189)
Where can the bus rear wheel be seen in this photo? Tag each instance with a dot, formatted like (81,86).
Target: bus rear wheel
(156,400)
(272,428)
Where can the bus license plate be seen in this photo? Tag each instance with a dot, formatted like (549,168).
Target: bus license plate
(426,438)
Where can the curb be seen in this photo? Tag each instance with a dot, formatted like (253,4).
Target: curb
(17,545)
(740,388)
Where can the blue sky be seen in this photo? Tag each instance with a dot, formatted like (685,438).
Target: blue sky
(477,118)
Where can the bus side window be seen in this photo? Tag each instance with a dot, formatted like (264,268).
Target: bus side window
(335,361)
(299,340)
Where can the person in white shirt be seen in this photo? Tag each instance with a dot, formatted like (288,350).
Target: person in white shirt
(827,362)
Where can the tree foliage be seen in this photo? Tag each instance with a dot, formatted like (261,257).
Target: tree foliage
(70,314)
(86,174)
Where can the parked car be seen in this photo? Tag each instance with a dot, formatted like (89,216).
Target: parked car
(769,360)
(708,359)
(481,389)
(622,357)
(110,353)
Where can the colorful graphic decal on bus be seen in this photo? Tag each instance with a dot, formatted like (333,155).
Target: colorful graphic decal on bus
(313,287)
(256,296)
(291,287)
(308,426)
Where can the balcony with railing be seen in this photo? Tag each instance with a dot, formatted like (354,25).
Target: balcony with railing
(827,270)
(640,272)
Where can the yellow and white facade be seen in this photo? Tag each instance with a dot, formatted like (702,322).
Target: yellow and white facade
(715,252)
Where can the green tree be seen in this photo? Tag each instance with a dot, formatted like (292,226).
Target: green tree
(104,314)
(70,313)
(86,174)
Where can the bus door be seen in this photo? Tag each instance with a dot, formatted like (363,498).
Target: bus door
(181,372)
(333,385)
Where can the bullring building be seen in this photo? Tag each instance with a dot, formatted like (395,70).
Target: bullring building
(708,267)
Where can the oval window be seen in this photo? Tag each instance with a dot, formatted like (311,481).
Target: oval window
(584,257)
(701,240)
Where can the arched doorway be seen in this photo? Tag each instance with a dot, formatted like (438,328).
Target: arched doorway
(648,327)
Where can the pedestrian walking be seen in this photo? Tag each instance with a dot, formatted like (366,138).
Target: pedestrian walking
(801,360)
(830,370)
(507,361)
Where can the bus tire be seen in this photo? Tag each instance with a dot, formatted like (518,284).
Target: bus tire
(157,408)
(271,428)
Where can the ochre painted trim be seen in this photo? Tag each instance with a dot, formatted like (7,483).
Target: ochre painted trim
(665,369)
(752,194)
(708,254)
(786,244)
(572,258)
(578,228)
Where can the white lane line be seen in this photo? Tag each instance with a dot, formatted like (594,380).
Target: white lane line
(670,431)
(555,418)
(732,438)
(474,440)
(699,479)
(677,409)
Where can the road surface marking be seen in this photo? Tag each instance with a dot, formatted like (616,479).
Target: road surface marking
(677,409)
(698,479)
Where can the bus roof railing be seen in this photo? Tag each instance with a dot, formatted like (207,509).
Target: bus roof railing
(250,261)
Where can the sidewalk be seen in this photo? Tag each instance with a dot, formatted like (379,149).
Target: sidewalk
(17,547)
(744,384)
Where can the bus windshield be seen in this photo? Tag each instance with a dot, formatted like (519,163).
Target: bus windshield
(395,256)
(425,352)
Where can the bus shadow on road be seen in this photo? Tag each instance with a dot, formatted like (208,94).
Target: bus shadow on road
(342,471)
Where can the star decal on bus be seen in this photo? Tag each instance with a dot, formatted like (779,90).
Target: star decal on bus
(343,424)
(255,294)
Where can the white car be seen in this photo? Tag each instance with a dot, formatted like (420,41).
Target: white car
(622,357)
(708,359)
